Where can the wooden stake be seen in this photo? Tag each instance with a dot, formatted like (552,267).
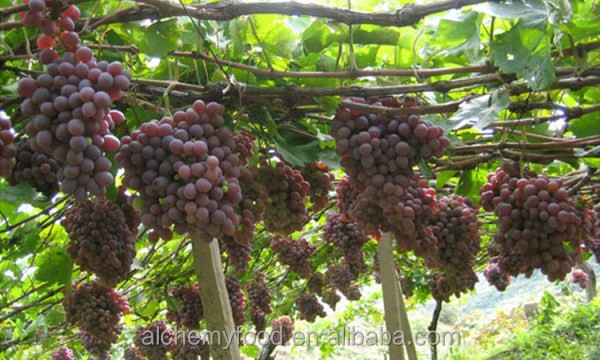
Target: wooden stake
(391,295)
(215,300)
(411,351)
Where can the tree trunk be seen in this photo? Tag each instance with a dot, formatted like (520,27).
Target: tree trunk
(215,300)
(411,351)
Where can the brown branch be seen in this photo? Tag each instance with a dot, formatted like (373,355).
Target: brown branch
(229,9)
(569,144)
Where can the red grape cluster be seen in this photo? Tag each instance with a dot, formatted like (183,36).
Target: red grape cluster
(341,277)
(378,152)
(238,254)
(55,22)
(186,172)
(285,211)
(316,283)
(95,345)
(444,285)
(72,118)
(96,310)
(35,168)
(349,239)
(62,354)
(8,151)
(580,278)
(455,227)
(496,277)
(244,145)
(132,354)
(294,253)
(330,297)
(155,340)
(190,310)
(535,217)
(282,329)
(237,300)
(309,307)
(191,347)
(101,240)
(320,180)
(260,301)
(252,206)
(356,207)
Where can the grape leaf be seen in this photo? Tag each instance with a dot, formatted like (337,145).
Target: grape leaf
(482,110)
(55,266)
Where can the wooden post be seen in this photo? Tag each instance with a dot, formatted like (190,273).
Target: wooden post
(391,294)
(215,300)
(411,350)
(591,285)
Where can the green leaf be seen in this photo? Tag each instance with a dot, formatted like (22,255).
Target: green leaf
(481,111)
(159,38)
(22,193)
(443,177)
(251,351)
(585,126)
(329,103)
(55,266)
(469,184)
(526,53)
(457,33)
(530,12)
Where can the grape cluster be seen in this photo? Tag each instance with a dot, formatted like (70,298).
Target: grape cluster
(580,278)
(251,208)
(316,283)
(155,340)
(237,300)
(282,329)
(190,310)
(8,152)
(244,145)
(378,152)
(186,172)
(191,347)
(349,239)
(132,354)
(535,217)
(341,277)
(62,354)
(309,307)
(444,285)
(285,211)
(70,104)
(35,168)
(294,253)
(354,206)
(496,277)
(320,180)
(239,254)
(55,22)
(96,310)
(95,345)
(330,297)
(455,226)
(260,301)
(101,241)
